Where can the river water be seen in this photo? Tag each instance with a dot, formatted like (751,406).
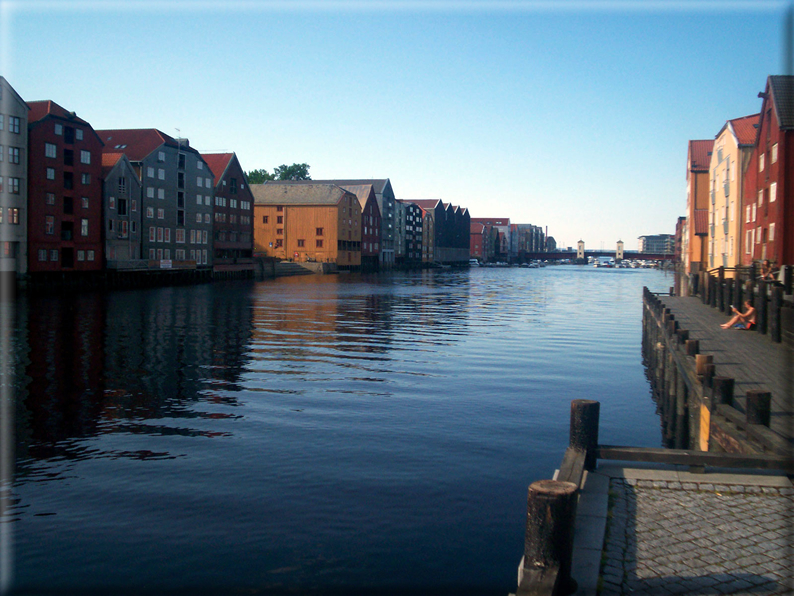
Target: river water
(320,433)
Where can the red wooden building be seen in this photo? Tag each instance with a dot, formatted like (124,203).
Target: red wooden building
(64,191)
(768,214)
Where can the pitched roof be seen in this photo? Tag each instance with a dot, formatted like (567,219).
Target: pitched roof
(428,203)
(702,222)
(782,87)
(377,184)
(700,155)
(492,221)
(362,192)
(135,143)
(217,163)
(47,107)
(476,228)
(283,193)
(109,160)
(745,129)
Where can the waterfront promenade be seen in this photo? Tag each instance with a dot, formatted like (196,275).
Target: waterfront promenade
(751,358)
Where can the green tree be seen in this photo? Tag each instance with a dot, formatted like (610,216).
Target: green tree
(297,171)
(259,176)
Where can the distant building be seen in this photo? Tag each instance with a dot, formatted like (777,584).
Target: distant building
(477,240)
(177,196)
(730,155)
(121,198)
(680,228)
(501,231)
(695,234)
(412,234)
(233,210)
(551,244)
(64,191)
(13,182)
(768,224)
(371,225)
(657,244)
(307,222)
(451,231)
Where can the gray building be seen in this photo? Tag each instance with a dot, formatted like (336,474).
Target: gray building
(658,244)
(121,202)
(177,188)
(13,181)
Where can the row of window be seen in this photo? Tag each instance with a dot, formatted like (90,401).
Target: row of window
(159,254)
(13,185)
(66,232)
(232,203)
(14,124)
(224,236)
(123,227)
(82,255)
(157,234)
(13,215)
(51,151)
(14,154)
(756,236)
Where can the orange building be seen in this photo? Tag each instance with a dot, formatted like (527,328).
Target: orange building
(696,228)
(307,222)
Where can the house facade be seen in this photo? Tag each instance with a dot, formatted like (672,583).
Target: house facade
(64,192)
(177,190)
(121,199)
(501,233)
(414,228)
(307,222)
(371,225)
(233,214)
(13,182)
(730,155)
(694,240)
(768,213)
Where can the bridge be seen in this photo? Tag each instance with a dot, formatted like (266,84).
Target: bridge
(627,255)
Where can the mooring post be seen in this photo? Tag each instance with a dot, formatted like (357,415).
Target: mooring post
(759,407)
(548,541)
(692,347)
(584,429)
(701,360)
(722,390)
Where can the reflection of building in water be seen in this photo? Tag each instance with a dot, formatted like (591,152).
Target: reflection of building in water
(98,358)
(64,370)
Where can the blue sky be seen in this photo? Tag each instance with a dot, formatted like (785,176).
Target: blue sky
(571,115)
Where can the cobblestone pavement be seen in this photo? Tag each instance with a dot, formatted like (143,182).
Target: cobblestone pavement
(667,537)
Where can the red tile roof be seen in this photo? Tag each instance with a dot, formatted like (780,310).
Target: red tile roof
(702,222)
(217,162)
(427,203)
(110,159)
(135,143)
(745,129)
(700,155)
(477,228)
(40,109)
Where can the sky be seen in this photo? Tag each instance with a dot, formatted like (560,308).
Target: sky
(569,115)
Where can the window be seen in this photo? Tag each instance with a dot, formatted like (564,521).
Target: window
(133,227)
(13,124)
(301,243)
(319,231)
(111,224)
(122,186)
(773,191)
(42,254)
(68,157)
(84,202)
(180,254)
(152,233)
(761,163)
(760,197)
(159,254)
(207,199)
(208,182)
(771,232)
(49,224)
(773,156)
(150,192)
(122,206)
(134,207)
(54,255)
(81,255)
(150,172)
(199,181)
(199,199)
(233,186)
(78,134)
(168,234)
(50,150)
(58,129)
(204,236)
(161,193)
(160,213)
(50,173)
(280,208)
(49,198)
(754,212)
(279,243)
(181,163)
(159,234)
(198,217)
(161,173)
(84,227)
(200,165)
(161,156)
(152,254)
(280,231)
(206,218)
(180,180)
(192,255)
(85,179)
(319,243)
(264,219)
(280,219)
(192,237)
(111,202)
(150,212)
(758,235)
(167,254)
(1,153)
(180,237)
(85,156)
(90,255)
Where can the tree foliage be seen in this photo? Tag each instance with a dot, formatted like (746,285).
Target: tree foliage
(297,171)
(259,176)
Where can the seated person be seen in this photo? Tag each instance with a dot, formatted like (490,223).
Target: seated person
(741,320)
(766,271)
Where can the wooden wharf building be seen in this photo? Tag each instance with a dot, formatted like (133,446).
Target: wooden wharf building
(307,223)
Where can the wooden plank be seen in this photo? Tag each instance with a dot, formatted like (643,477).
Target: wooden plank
(572,466)
(695,458)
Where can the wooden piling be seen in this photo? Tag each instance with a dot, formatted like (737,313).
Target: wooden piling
(584,429)
(722,391)
(758,407)
(692,347)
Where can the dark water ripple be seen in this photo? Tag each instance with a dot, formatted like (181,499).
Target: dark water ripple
(310,433)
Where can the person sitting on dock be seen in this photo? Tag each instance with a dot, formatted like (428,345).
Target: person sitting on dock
(741,320)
